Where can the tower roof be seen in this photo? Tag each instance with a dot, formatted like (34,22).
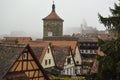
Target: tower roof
(53,15)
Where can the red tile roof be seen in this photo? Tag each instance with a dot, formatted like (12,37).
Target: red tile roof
(53,16)
(100,53)
(0,41)
(94,68)
(19,39)
(60,54)
(72,44)
(38,44)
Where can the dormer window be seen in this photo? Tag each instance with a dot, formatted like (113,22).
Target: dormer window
(25,56)
(68,60)
(77,62)
(48,50)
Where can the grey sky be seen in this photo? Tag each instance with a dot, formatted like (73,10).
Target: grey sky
(26,15)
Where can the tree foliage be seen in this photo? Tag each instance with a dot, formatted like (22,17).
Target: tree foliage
(112,23)
(109,65)
(66,78)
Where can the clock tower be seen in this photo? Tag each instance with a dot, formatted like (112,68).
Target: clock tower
(52,24)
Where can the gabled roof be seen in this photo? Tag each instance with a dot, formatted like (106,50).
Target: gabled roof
(52,16)
(19,39)
(60,53)
(0,41)
(8,55)
(60,38)
(38,51)
(39,48)
(72,44)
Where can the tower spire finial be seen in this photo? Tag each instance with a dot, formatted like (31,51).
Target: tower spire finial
(53,6)
(53,1)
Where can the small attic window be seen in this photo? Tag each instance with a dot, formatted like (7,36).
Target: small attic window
(68,60)
(50,34)
(25,56)
(48,50)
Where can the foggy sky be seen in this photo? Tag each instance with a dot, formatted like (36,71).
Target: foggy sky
(26,15)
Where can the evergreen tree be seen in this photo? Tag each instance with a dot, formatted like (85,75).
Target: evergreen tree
(112,23)
(109,65)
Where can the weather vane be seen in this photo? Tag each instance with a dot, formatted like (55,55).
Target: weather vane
(53,1)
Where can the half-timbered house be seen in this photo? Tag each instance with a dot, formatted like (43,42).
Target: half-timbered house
(75,53)
(44,54)
(88,48)
(64,60)
(18,62)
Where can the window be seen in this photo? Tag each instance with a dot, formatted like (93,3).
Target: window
(90,51)
(48,50)
(93,44)
(68,60)
(49,61)
(88,44)
(84,44)
(24,56)
(67,71)
(77,62)
(50,33)
(82,51)
(45,62)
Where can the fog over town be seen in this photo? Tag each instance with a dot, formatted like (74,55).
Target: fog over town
(24,17)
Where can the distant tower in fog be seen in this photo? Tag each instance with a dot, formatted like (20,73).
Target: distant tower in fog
(52,24)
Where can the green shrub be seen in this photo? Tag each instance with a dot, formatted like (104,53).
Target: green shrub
(66,78)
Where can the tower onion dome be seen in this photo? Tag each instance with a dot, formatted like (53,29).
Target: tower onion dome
(53,15)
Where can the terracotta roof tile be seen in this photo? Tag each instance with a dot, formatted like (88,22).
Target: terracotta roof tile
(52,16)
(94,68)
(100,53)
(72,44)
(39,48)
(38,51)
(19,39)
(8,55)
(60,53)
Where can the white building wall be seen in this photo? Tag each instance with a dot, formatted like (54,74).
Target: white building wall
(78,61)
(48,56)
(77,56)
(69,68)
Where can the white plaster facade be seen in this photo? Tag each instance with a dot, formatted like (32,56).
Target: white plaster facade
(69,67)
(77,56)
(78,61)
(48,60)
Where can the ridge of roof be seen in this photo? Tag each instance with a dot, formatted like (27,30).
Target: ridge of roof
(8,60)
(72,44)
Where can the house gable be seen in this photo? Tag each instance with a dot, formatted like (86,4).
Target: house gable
(69,64)
(40,49)
(77,56)
(64,59)
(48,60)
(24,64)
